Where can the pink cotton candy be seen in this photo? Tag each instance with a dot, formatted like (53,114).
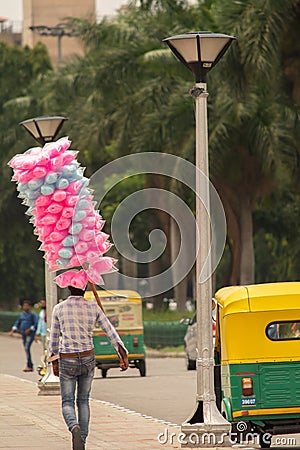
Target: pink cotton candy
(59,196)
(74,261)
(44,231)
(101,238)
(103,248)
(63,224)
(51,182)
(49,219)
(23,176)
(63,144)
(74,278)
(91,255)
(43,200)
(86,235)
(54,208)
(103,265)
(67,212)
(72,200)
(39,211)
(56,162)
(68,157)
(57,236)
(74,187)
(39,172)
(81,247)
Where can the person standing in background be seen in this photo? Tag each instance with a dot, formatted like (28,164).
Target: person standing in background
(26,324)
(41,331)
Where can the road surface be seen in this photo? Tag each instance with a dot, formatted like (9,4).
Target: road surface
(167,392)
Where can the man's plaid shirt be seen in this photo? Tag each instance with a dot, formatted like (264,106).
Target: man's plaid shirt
(74,319)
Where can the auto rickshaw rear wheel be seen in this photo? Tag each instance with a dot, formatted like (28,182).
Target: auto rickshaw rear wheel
(142,367)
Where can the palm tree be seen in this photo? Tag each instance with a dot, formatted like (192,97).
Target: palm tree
(248,127)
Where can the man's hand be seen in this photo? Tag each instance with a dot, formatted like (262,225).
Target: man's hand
(55,367)
(27,332)
(11,332)
(123,358)
(37,337)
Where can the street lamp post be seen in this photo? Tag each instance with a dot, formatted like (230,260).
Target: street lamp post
(43,130)
(200,52)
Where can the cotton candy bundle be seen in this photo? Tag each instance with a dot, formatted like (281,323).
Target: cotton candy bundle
(52,184)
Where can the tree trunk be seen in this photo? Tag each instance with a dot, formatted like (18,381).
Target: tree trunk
(228,199)
(247,248)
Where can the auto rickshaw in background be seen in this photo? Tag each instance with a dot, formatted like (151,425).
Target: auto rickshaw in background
(257,358)
(124,310)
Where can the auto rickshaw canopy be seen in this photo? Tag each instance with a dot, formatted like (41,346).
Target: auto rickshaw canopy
(122,307)
(244,315)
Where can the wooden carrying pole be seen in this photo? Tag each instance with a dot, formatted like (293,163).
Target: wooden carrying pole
(96,296)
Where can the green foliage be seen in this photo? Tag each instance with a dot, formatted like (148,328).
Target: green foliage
(164,315)
(128,94)
(21,265)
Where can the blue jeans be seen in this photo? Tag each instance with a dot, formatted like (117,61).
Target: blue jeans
(27,341)
(76,372)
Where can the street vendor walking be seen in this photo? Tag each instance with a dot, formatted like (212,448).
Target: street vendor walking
(26,324)
(73,358)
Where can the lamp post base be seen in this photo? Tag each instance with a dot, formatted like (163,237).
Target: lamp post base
(206,427)
(49,384)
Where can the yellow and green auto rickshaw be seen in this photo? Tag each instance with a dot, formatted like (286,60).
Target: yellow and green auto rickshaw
(124,310)
(257,355)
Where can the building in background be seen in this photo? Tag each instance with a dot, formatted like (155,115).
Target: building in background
(10,32)
(49,14)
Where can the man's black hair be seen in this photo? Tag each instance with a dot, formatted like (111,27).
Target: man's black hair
(75,291)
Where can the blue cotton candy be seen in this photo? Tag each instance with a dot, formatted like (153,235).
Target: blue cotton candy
(47,190)
(22,187)
(52,178)
(83,204)
(79,215)
(65,253)
(62,262)
(33,194)
(75,228)
(69,241)
(63,183)
(35,184)
(77,176)
(69,169)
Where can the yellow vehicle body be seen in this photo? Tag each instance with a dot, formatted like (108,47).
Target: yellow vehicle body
(257,358)
(245,312)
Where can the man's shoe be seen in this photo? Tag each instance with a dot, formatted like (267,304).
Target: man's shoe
(76,439)
(28,369)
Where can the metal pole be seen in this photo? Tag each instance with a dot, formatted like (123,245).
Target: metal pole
(59,52)
(206,418)
(49,384)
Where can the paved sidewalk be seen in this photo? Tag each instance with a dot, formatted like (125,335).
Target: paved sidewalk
(29,421)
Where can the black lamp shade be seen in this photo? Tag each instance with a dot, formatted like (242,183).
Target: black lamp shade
(199,51)
(44,129)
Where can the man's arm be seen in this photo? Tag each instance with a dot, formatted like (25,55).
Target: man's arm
(34,320)
(15,326)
